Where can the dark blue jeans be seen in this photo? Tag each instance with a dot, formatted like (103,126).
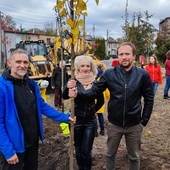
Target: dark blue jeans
(155,87)
(84,132)
(167,86)
(101,119)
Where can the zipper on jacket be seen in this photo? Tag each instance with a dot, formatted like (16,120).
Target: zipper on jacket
(124,107)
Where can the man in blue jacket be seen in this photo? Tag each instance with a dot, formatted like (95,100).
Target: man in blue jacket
(21,109)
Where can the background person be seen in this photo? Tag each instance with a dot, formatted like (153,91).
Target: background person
(127,85)
(167,75)
(142,61)
(85,109)
(115,62)
(101,69)
(56,83)
(21,109)
(154,70)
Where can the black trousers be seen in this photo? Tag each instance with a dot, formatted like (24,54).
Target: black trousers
(84,131)
(28,160)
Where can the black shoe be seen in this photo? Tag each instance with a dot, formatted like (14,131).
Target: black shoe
(167,97)
(96,134)
(102,132)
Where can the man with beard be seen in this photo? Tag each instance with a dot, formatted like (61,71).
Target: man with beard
(126,114)
(21,109)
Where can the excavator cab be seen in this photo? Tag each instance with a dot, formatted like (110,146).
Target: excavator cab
(34,48)
(41,65)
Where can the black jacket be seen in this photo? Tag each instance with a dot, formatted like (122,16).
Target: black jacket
(125,107)
(56,78)
(85,107)
(26,107)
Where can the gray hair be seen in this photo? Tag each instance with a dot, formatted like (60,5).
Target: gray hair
(78,62)
(62,63)
(17,51)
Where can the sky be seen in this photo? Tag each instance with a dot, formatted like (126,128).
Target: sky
(104,20)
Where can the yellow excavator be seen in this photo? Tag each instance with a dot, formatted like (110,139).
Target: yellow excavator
(41,61)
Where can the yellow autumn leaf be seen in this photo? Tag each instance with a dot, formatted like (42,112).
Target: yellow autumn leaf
(82,5)
(69,41)
(78,12)
(59,5)
(56,39)
(57,44)
(75,31)
(74,42)
(69,22)
(81,47)
(76,24)
(63,12)
(81,22)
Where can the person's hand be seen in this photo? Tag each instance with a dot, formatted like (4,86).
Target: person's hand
(71,84)
(72,93)
(53,87)
(13,160)
(72,120)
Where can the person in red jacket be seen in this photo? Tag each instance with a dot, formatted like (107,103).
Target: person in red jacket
(154,71)
(115,62)
(167,75)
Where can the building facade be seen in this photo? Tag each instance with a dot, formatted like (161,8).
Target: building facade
(164,27)
(111,47)
(9,39)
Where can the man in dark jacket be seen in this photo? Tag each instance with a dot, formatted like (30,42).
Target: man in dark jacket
(57,82)
(126,114)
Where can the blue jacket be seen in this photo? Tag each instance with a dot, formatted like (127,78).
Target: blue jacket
(11,132)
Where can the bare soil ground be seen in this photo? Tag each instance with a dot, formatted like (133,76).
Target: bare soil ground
(155,149)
